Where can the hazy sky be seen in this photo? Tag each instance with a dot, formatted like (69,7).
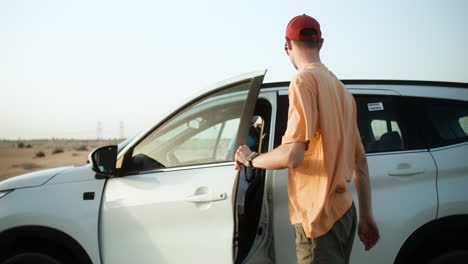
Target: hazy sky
(67,65)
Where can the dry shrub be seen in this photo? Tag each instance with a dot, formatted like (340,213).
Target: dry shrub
(57,150)
(82,148)
(27,166)
(40,154)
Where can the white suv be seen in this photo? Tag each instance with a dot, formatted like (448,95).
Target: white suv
(171,194)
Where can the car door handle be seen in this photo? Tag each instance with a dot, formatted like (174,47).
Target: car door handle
(406,172)
(206,197)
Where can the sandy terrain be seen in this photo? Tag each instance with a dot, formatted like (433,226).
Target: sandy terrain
(15,160)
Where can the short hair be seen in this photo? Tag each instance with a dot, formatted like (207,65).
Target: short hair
(307,44)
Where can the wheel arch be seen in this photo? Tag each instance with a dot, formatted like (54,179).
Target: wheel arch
(433,238)
(41,238)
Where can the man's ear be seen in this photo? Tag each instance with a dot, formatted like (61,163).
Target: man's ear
(321,43)
(289,42)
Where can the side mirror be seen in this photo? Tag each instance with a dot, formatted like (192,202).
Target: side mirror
(103,161)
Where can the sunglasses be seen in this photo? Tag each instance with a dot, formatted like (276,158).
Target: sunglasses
(286,48)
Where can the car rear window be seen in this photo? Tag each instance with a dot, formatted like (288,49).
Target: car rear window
(449,120)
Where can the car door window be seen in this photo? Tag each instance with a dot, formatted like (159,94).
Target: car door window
(211,144)
(448,120)
(385,124)
(199,134)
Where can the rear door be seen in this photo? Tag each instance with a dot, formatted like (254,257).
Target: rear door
(447,134)
(402,171)
(175,202)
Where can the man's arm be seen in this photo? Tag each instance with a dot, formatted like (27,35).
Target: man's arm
(285,156)
(300,129)
(367,228)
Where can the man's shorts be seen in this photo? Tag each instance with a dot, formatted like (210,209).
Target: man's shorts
(333,247)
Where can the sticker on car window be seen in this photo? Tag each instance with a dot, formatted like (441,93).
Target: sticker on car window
(375,106)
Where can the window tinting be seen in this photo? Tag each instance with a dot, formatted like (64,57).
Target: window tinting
(388,123)
(464,123)
(449,121)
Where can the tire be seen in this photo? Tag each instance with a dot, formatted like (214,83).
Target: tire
(452,257)
(31,258)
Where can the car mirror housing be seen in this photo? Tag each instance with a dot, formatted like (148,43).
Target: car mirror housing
(103,161)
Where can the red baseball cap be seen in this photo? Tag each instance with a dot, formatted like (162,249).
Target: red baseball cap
(298,24)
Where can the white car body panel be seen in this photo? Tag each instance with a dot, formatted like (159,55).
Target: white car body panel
(74,174)
(58,206)
(372,91)
(167,225)
(452,179)
(393,197)
(31,179)
(285,245)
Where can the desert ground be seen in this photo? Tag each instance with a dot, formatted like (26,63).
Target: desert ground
(22,156)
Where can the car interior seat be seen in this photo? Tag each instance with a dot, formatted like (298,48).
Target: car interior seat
(390,141)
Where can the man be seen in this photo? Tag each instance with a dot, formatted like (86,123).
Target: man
(321,148)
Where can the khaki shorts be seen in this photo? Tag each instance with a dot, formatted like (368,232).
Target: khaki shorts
(333,247)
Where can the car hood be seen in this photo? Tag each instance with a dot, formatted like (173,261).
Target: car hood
(32,179)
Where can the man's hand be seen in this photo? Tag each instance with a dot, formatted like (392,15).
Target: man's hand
(241,156)
(368,232)
(367,228)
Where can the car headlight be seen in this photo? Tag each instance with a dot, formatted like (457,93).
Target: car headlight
(3,193)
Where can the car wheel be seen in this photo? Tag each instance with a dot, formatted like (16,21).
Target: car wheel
(452,257)
(31,257)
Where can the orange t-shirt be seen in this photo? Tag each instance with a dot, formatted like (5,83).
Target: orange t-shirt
(322,113)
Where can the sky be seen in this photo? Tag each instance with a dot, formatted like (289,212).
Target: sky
(83,69)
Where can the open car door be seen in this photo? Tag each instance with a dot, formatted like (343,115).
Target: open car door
(173,202)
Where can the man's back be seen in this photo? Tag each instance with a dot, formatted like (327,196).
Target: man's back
(322,114)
